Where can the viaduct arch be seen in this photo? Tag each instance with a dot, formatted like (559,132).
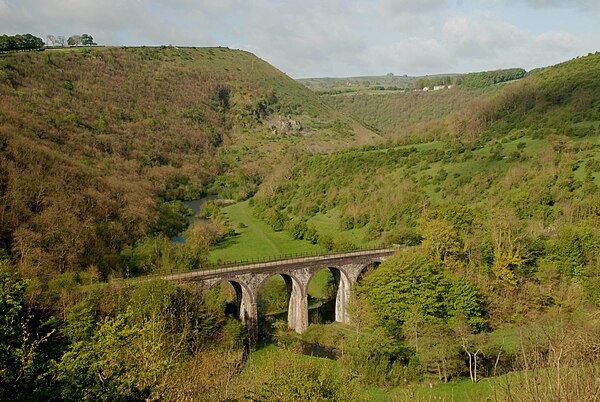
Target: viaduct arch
(297,273)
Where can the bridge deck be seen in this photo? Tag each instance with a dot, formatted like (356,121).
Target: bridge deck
(266,266)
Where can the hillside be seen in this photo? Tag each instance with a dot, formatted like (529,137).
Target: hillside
(390,82)
(525,160)
(387,112)
(93,142)
(493,294)
(495,291)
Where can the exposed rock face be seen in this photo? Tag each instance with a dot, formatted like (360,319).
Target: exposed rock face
(284,125)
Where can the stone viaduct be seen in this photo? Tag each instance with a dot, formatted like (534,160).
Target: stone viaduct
(297,272)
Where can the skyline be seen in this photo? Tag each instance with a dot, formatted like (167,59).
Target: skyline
(334,38)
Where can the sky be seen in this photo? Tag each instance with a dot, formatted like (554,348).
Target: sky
(334,38)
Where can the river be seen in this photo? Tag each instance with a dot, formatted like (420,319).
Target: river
(195,206)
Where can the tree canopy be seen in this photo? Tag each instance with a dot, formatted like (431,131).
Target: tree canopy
(20,42)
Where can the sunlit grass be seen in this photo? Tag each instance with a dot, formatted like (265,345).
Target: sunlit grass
(255,239)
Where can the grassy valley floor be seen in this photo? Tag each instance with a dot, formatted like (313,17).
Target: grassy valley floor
(255,239)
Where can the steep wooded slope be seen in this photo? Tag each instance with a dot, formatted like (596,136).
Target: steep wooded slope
(93,140)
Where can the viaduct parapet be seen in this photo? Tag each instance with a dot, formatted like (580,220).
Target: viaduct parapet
(247,279)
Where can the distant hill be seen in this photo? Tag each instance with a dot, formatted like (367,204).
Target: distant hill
(530,149)
(94,141)
(389,82)
(387,112)
(387,104)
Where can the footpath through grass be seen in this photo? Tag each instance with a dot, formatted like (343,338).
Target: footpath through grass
(255,239)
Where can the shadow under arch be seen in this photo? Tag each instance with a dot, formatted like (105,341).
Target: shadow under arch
(296,301)
(342,287)
(367,270)
(241,307)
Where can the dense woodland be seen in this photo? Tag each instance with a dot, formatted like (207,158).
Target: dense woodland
(20,43)
(494,197)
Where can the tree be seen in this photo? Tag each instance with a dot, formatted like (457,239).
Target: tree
(412,286)
(509,248)
(20,42)
(403,281)
(440,352)
(464,300)
(52,40)
(74,40)
(440,239)
(6,43)
(87,40)
(21,340)
(471,344)
(361,314)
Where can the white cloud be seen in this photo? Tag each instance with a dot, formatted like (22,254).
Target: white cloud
(556,42)
(13,17)
(478,36)
(548,4)
(412,6)
(313,37)
(414,55)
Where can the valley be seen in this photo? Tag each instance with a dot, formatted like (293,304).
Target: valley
(490,191)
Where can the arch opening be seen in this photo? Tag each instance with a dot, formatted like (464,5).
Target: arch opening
(329,290)
(281,300)
(231,299)
(367,270)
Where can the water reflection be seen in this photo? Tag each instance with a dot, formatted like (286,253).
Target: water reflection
(195,206)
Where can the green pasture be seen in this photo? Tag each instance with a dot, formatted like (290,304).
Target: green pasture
(329,224)
(255,239)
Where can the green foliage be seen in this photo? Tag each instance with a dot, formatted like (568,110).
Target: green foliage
(126,131)
(440,239)
(15,353)
(326,241)
(172,218)
(20,42)
(285,376)
(392,112)
(483,79)
(572,251)
(67,85)
(96,369)
(277,220)
(125,355)
(464,299)
(403,236)
(377,359)
(149,255)
(25,341)
(410,284)
(474,80)
(298,229)
(439,351)
(403,281)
